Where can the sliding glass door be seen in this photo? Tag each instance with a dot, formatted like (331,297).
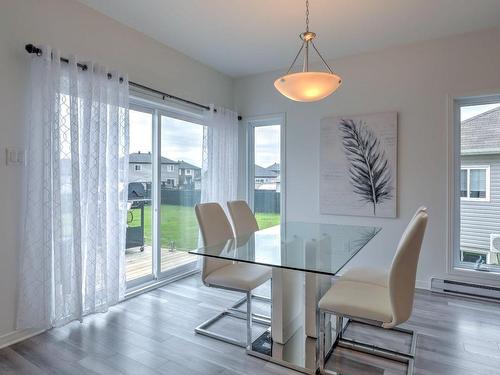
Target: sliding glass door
(164,185)
(181,156)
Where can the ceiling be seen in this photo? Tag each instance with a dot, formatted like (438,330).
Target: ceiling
(242,37)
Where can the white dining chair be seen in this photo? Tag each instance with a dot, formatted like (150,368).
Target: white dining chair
(224,274)
(242,217)
(244,225)
(371,296)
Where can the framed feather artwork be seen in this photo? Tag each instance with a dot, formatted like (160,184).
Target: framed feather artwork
(358,165)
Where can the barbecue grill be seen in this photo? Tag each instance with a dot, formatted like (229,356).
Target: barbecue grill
(136,200)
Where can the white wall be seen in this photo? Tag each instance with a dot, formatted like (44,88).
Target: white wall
(412,80)
(74,28)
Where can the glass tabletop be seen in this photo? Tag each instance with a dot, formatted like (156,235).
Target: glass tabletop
(310,247)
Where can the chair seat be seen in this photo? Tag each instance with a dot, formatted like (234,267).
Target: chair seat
(241,276)
(358,299)
(366,275)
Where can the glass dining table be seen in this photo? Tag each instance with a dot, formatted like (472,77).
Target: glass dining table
(303,257)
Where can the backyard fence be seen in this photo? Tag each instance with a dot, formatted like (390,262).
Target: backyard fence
(267,201)
(180,197)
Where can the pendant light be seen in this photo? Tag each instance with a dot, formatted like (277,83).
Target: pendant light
(308,86)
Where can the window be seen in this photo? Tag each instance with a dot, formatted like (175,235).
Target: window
(170,168)
(266,169)
(476,218)
(137,167)
(475,183)
(189,172)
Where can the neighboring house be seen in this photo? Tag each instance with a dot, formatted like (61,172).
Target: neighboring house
(275,168)
(480,187)
(266,178)
(189,176)
(140,170)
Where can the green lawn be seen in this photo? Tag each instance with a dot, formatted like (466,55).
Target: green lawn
(178,224)
(266,220)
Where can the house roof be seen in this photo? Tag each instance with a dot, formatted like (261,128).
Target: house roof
(264,172)
(185,165)
(145,158)
(481,134)
(274,167)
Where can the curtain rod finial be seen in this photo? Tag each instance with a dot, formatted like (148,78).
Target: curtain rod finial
(32,49)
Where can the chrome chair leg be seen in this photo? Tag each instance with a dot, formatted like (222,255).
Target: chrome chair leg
(321,338)
(234,312)
(339,326)
(407,358)
(249,320)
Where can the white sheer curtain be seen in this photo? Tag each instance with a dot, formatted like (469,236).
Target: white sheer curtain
(219,182)
(72,257)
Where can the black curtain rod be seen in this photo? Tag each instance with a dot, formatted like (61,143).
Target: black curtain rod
(30,48)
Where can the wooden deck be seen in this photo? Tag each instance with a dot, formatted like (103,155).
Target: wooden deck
(139,263)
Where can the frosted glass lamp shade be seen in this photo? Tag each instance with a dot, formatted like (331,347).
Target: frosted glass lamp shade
(308,86)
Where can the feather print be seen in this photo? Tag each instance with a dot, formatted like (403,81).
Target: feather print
(369,170)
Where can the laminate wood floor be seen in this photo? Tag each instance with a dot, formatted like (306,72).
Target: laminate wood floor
(153,334)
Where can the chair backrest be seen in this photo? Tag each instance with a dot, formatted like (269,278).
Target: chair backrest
(215,229)
(403,270)
(420,209)
(243,219)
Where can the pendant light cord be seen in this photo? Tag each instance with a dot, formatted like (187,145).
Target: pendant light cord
(307,16)
(305,43)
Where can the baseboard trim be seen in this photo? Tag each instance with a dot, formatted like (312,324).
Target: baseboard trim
(420,284)
(18,335)
(469,289)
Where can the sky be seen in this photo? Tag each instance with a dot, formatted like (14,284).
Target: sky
(182,140)
(468,112)
(267,145)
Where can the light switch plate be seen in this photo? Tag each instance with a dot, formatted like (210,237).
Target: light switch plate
(14,156)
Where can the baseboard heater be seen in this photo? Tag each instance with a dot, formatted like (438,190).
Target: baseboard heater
(479,291)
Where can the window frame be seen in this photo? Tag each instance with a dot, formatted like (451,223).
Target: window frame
(456,267)
(250,123)
(468,168)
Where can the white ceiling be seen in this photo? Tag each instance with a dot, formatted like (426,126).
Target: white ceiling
(241,37)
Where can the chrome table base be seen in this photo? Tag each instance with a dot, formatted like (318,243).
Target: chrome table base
(302,353)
